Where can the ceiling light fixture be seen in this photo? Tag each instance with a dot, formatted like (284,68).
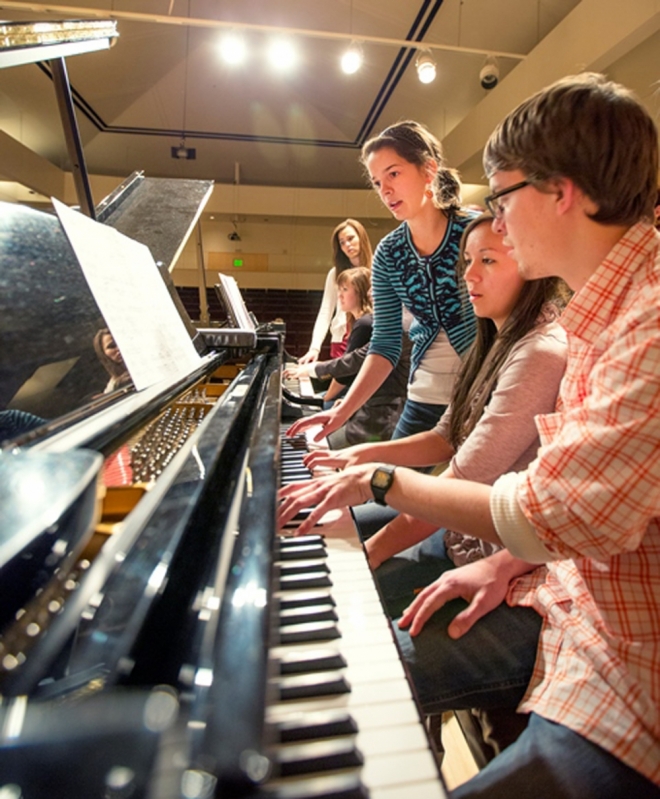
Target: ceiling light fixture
(184,153)
(351,60)
(282,55)
(426,68)
(232,49)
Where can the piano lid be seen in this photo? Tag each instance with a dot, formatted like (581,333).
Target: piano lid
(56,354)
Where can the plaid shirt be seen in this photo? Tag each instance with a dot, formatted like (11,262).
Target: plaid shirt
(593,499)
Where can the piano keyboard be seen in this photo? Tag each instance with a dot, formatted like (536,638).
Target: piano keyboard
(345,718)
(298,387)
(345,708)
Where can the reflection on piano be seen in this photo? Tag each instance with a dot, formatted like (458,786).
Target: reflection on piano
(197,653)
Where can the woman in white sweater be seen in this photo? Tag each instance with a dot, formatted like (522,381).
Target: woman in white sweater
(350,247)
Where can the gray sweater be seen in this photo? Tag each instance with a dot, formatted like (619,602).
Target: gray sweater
(505,439)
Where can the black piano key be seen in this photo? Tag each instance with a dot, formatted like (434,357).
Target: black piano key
(302,661)
(299,599)
(302,514)
(315,579)
(303,552)
(312,538)
(307,633)
(286,478)
(302,566)
(324,724)
(306,686)
(306,614)
(331,786)
(321,756)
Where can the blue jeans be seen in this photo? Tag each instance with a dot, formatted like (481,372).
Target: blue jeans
(402,576)
(550,761)
(490,666)
(417,417)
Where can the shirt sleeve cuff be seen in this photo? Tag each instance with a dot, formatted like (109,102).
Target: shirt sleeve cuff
(512,526)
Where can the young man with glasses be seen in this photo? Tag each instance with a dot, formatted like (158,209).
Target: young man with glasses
(581,526)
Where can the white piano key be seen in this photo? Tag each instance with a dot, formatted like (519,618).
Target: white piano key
(399,760)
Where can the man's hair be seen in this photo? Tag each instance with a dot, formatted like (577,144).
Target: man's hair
(339,257)
(592,131)
(415,143)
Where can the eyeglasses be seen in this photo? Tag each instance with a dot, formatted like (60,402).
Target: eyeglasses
(493,203)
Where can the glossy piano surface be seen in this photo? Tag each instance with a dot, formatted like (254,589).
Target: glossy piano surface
(185,659)
(56,364)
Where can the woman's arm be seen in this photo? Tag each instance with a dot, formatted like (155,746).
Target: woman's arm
(334,390)
(325,314)
(370,377)
(422,449)
(402,532)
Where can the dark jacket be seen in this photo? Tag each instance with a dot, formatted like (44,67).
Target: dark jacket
(377,418)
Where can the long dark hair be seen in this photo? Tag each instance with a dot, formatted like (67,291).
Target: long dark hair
(539,299)
(416,144)
(339,257)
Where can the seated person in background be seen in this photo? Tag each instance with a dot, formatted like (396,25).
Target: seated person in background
(350,247)
(510,374)
(108,353)
(573,174)
(377,418)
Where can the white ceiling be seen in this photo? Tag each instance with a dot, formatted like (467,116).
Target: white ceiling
(160,80)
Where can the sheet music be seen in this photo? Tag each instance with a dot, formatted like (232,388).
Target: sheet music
(233,297)
(133,299)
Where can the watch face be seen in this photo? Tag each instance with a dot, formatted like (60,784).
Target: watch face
(381,479)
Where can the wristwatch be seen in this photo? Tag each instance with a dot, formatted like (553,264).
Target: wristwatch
(381,482)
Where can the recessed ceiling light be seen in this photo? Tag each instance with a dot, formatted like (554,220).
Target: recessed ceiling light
(351,60)
(233,49)
(282,55)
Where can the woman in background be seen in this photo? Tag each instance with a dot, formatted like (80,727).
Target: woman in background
(376,420)
(108,353)
(350,247)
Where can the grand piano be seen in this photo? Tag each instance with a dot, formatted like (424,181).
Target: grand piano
(159,637)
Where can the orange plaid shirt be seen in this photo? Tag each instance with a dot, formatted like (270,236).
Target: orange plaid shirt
(593,498)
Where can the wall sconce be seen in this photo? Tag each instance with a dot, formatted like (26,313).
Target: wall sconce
(426,68)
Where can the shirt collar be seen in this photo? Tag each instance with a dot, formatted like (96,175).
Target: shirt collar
(594,306)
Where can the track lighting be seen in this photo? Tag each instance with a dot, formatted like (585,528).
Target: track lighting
(281,55)
(425,67)
(490,73)
(232,49)
(351,60)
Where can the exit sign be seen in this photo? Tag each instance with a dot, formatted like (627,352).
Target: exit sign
(237,263)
